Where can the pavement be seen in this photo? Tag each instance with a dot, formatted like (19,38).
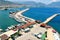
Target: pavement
(29,35)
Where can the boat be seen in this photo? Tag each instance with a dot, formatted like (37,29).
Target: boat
(0,30)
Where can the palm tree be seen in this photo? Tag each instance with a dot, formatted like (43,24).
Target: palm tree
(12,36)
(18,33)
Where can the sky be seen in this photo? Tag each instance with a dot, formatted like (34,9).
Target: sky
(43,1)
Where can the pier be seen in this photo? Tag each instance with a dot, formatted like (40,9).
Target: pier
(50,18)
(20,12)
(20,18)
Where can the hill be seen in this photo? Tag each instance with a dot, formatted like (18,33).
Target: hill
(2,2)
(32,4)
(54,4)
(9,4)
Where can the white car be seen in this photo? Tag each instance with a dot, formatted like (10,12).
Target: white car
(38,35)
(27,29)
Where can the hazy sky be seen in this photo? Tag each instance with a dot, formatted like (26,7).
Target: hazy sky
(43,1)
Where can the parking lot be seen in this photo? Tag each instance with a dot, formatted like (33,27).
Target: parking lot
(30,35)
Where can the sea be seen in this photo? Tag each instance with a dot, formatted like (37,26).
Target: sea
(36,13)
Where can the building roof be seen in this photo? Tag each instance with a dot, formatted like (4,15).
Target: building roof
(43,25)
(4,37)
(25,25)
(28,24)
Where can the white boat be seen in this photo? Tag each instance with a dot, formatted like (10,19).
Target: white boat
(11,27)
(0,30)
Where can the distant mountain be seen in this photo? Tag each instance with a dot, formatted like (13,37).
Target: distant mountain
(8,4)
(35,4)
(32,4)
(29,4)
(54,4)
(2,2)
(41,4)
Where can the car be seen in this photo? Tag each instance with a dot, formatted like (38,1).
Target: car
(38,35)
(26,30)
(31,26)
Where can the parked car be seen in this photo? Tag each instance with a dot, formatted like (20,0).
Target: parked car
(38,35)
(26,29)
(31,26)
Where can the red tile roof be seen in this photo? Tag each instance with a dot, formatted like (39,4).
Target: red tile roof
(43,25)
(4,37)
(26,25)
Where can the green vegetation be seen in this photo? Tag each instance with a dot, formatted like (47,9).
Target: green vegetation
(43,36)
(13,37)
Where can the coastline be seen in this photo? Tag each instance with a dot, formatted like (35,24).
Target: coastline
(19,16)
(34,20)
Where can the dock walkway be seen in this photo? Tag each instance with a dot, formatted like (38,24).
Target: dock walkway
(19,16)
(50,18)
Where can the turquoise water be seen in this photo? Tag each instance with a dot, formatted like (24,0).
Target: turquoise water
(5,20)
(43,13)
